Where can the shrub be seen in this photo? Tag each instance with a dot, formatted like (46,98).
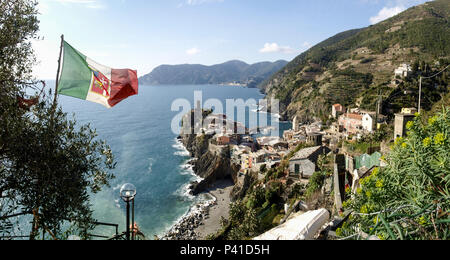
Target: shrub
(315,183)
(408,199)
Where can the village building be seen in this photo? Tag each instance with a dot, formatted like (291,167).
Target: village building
(355,110)
(272,143)
(409,110)
(351,123)
(401,119)
(247,163)
(236,153)
(295,124)
(315,138)
(369,122)
(337,110)
(249,143)
(336,128)
(223,139)
(288,135)
(403,71)
(303,163)
(264,156)
(372,121)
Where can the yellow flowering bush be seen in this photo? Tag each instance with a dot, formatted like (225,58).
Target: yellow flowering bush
(348,190)
(409,125)
(432,120)
(439,139)
(399,141)
(364,209)
(376,171)
(396,202)
(427,142)
(379,184)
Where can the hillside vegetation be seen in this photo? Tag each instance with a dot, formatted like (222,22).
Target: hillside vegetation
(354,67)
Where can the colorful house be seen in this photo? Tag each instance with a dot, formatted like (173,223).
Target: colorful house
(351,122)
(337,110)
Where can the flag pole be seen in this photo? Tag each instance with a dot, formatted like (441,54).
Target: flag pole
(57,73)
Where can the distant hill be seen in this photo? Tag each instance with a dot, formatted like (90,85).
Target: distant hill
(354,67)
(226,73)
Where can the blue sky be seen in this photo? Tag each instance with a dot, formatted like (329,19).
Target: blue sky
(143,34)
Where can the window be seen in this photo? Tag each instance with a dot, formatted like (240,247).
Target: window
(297,169)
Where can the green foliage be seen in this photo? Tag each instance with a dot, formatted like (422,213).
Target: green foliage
(315,183)
(49,165)
(297,190)
(361,146)
(273,193)
(263,168)
(433,89)
(244,222)
(409,199)
(268,216)
(346,86)
(257,198)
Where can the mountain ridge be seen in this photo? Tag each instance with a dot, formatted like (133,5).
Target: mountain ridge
(233,71)
(355,66)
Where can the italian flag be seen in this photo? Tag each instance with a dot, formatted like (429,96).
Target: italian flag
(83,78)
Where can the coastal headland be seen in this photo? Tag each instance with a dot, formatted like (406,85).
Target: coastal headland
(212,163)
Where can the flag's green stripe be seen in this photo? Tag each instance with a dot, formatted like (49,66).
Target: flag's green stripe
(76,76)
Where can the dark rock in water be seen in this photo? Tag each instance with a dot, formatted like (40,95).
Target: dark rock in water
(192,162)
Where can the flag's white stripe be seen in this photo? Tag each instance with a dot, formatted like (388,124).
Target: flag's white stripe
(94,97)
(103,69)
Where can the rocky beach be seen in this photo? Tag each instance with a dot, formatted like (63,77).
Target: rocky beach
(204,218)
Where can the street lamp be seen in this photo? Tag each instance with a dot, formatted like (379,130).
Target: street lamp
(127,193)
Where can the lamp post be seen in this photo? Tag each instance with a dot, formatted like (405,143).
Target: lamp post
(128,193)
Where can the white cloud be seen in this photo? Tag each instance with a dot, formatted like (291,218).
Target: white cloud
(274,47)
(387,12)
(192,51)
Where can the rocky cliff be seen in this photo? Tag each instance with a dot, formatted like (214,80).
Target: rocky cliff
(209,165)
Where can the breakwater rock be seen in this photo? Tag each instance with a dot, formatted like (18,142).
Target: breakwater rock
(184,229)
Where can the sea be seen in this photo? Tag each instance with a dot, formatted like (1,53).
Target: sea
(148,154)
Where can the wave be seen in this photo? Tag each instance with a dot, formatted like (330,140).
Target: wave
(151,161)
(185,191)
(200,203)
(182,151)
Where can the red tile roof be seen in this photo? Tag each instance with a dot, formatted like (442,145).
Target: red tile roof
(354,116)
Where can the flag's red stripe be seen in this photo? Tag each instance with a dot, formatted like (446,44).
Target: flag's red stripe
(124,83)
